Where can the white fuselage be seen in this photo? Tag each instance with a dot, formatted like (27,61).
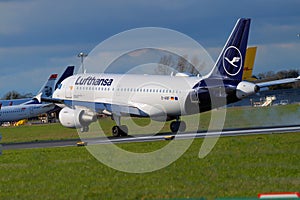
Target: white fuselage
(18,112)
(155,95)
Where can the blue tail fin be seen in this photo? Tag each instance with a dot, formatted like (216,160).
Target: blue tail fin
(68,72)
(48,87)
(46,91)
(230,63)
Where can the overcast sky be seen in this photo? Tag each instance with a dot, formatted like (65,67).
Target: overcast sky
(39,37)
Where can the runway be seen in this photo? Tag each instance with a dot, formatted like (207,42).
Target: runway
(157,137)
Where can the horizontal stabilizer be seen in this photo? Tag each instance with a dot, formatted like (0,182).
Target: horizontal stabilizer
(277,82)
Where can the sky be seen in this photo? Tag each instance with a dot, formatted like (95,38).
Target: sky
(40,37)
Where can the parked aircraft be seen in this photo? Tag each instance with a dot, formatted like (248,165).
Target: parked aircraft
(159,97)
(33,107)
(17,112)
(30,108)
(47,89)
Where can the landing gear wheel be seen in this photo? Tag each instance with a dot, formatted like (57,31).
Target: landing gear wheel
(115,131)
(182,126)
(174,126)
(177,126)
(118,131)
(124,130)
(84,129)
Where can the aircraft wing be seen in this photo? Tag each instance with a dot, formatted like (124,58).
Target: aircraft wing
(105,106)
(109,107)
(123,108)
(278,82)
(49,105)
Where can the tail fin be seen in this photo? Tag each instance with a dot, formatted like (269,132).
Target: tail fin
(48,88)
(230,62)
(249,63)
(45,91)
(68,72)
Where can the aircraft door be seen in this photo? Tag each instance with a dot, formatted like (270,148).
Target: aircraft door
(68,91)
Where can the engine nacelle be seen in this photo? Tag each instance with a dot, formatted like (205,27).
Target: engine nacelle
(76,118)
(245,89)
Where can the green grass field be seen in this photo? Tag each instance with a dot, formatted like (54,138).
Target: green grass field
(235,118)
(237,166)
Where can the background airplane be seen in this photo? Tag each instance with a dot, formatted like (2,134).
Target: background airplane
(159,97)
(18,112)
(47,89)
(30,108)
(33,107)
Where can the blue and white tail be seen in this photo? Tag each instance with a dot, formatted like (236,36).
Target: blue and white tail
(48,88)
(69,71)
(230,63)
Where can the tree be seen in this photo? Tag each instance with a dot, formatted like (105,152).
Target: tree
(182,64)
(16,95)
(164,65)
(195,65)
(12,95)
(270,76)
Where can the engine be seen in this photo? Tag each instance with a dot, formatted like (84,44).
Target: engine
(76,118)
(245,89)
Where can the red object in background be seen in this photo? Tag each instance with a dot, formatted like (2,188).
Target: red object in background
(281,195)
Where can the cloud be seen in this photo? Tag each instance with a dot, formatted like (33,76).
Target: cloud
(29,81)
(45,34)
(277,57)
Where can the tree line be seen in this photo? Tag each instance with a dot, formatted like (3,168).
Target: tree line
(271,76)
(16,95)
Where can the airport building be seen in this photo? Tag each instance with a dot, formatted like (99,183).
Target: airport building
(279,97)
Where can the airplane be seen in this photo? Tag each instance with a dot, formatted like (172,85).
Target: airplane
(18,112)
(249,64)
(47,89)
(30,108)
(33,107)
(161,98)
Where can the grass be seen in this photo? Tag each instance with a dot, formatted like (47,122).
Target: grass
(235,118)
(29,133)
(237,167)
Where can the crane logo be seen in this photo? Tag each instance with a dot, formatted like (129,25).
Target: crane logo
(232,61)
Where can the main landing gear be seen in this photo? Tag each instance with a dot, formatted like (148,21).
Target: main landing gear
(177,126)
(84,129)
(122,130)
(119,130)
